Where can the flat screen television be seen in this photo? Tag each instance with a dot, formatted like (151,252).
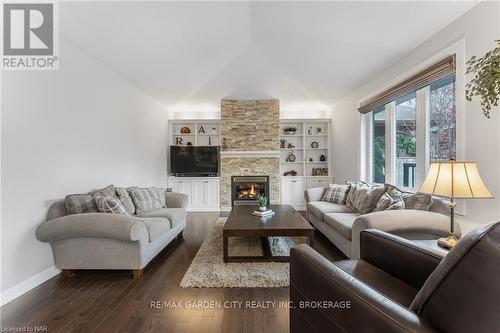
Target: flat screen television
(194,161)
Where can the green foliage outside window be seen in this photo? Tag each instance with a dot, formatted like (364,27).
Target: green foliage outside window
(405,142)
(379,160)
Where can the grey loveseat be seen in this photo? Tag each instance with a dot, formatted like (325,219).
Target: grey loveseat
(343,226)
(112,241)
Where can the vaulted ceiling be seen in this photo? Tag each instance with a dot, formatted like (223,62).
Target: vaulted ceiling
(304,53)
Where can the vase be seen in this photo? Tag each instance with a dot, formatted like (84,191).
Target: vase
(262,208)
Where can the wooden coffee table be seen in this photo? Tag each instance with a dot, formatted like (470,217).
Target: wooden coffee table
(286,222)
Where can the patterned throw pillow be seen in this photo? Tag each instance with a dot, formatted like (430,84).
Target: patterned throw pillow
(110,205)
(108,191)
(153,191)
(143,200)
(363,198)
(418,201)
(397,203)
(383,203)
(161,194)
(336,193)
(80,203)
(125,199)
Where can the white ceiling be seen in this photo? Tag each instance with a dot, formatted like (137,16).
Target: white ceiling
(193,54)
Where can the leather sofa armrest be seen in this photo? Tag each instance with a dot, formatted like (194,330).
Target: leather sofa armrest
(399,257)
(176,200)
(98,225)
(400,221)
(314,194)
(315,280)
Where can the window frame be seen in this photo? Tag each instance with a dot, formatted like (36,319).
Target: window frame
(423,115)
(422,155)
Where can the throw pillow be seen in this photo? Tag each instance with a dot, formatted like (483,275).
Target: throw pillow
(143,200)
(155,195)
(394,192)
(363,198)
(110,205)
(161,194)
(383,203)
(336,194)
(397,203)
(125,199)
(419,201)
(80,203)
(108,191)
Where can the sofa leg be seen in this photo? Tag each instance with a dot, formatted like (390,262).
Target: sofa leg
(180,236)
(137,273)
(67,273)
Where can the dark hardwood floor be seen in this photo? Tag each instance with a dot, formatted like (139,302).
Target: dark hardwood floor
(112,301)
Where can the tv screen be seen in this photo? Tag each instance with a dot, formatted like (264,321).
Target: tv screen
(194,161)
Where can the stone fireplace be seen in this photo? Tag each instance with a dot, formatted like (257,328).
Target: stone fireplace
(245,190)
(250,145)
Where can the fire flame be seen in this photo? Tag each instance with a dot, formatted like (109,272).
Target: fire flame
(252,191)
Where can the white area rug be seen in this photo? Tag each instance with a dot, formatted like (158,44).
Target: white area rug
(208,269)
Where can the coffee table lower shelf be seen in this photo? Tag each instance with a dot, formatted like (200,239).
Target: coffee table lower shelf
(266,250)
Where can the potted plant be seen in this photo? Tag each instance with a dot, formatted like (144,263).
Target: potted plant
(262,202)
(486,79)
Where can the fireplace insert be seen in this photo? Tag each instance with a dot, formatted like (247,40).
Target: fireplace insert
(245,190)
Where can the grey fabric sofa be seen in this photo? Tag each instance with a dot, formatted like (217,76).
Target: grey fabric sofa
(112,241)
(343,226)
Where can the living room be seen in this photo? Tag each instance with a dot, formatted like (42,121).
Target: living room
(250,166)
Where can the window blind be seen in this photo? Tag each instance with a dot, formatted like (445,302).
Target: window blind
(437,71)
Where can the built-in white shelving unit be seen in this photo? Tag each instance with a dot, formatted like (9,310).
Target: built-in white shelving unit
(203,192)
(309,143)
(202,132)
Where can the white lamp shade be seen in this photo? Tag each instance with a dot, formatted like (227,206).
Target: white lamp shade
(458,180)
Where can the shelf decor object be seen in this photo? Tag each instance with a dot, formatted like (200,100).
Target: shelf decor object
(311,138)
(202,132)
(454,180)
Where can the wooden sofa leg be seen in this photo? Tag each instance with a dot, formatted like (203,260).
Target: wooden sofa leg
(180,236)
(67,273)
(137,273)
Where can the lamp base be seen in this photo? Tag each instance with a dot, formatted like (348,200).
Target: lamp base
(448,242)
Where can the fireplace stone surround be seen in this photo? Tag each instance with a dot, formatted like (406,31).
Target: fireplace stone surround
(250,144)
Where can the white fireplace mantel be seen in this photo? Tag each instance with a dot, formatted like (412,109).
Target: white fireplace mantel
(249,154)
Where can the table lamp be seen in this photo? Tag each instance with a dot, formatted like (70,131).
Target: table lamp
(454,180)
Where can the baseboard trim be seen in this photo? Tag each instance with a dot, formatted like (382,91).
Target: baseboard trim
(28,284)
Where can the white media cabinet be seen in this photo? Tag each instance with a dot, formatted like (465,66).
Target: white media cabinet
(203,192)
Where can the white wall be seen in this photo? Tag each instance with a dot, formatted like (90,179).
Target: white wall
(68,131)
(478,28)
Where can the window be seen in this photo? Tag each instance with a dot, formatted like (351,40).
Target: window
(378,151)
(400,167)
(442,120)
(406,139)
(412,124)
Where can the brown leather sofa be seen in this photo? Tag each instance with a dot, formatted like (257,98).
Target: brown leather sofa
(399,286)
